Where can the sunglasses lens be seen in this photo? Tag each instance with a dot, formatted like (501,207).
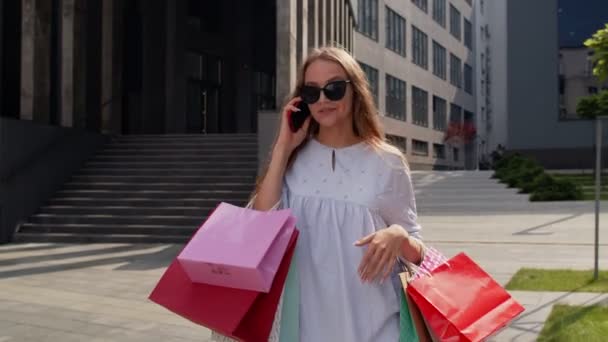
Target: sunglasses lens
(335,91)
(310,94)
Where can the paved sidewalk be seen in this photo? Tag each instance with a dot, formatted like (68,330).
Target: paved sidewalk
(53,292)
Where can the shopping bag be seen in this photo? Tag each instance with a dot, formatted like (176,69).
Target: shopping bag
(412,326)
(238,247)
(240,314)
(461,302)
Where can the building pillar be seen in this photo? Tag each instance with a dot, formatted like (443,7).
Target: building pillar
(302,32)
(286,49)
(322,24)
(116,103)
(313,24)
(107,70)
(1,55)
(28,33)
(243,73)
(67,63)
(175,116)
(329,24)
(42,61)
(154,66)
(79,65)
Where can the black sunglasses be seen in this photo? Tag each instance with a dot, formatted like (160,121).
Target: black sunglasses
(333,91)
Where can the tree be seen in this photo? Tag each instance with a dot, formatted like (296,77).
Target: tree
(591,106)
(599,44)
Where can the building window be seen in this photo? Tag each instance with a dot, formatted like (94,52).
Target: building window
(372,78)
(468,79)
(395,32)
(456,154)
(395,98)
(455,113)
(420,148)
(438,151)
(481,6)
(368,18)
(439,12)
(592,90)
(422,4)
(420,48)
(439,61)
(398,141)
(468,34)
(440,113)
(455,26)
(420,107)
(455,71)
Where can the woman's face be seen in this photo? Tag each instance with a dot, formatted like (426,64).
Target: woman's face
(328,112)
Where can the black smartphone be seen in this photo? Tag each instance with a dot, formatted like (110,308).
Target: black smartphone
(296,119)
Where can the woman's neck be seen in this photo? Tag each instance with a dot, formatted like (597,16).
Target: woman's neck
(337,137)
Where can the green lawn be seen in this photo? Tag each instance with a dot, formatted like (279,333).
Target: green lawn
(576,323)
(528,279)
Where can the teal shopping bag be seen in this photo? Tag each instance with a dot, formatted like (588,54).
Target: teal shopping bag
(407,329)
(290,312)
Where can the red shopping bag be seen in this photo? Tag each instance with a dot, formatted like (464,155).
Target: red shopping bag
(241,314)
(461,302)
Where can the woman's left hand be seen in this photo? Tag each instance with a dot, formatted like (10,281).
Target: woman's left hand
(384,247)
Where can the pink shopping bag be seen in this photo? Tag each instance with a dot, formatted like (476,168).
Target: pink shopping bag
(238,248)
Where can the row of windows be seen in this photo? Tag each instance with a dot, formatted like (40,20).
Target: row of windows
(421,148)
(396,101)
(396,28)
(395,41)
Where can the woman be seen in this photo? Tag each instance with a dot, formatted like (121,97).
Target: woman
(352,197)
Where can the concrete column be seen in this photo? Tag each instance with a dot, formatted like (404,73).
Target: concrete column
(313,23)
(118,9)
(79,65)
(329,21)
(243,75)
(1,55)
(67,63)
(42,61)
(28,24)
(302,33)
(322,24)
(286,49)
(176,73)
(107,70)
(340,25)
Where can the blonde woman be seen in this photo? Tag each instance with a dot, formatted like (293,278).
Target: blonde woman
(353,199)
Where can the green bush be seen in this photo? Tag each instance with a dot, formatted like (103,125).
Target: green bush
(558,190)
(528,175)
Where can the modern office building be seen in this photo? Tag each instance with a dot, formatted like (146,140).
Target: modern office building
(419,57)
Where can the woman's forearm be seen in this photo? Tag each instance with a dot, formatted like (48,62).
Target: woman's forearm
(412,250)
(269,192)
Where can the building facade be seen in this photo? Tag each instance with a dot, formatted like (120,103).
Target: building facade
(419,58)
(539,100)
(159,66)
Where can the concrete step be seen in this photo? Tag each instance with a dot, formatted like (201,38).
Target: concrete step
(157,145)
(130,186)
(168,172)
(224,195)
(175,158)
(126,210)
(176,220)
(77,238)
(143,202)
(177,151)
(164,179)
(133,229)
(217,164)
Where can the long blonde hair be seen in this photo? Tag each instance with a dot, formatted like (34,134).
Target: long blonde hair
(366,121)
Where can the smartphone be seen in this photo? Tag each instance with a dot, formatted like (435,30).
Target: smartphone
(296,119)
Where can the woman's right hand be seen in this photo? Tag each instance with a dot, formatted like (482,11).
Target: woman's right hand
(288,140)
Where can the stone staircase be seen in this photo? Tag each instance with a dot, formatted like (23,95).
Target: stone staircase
(470,192)
(148,188)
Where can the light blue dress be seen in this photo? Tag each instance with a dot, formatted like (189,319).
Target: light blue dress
(367,190)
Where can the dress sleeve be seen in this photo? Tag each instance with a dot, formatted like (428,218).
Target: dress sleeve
(398,203)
